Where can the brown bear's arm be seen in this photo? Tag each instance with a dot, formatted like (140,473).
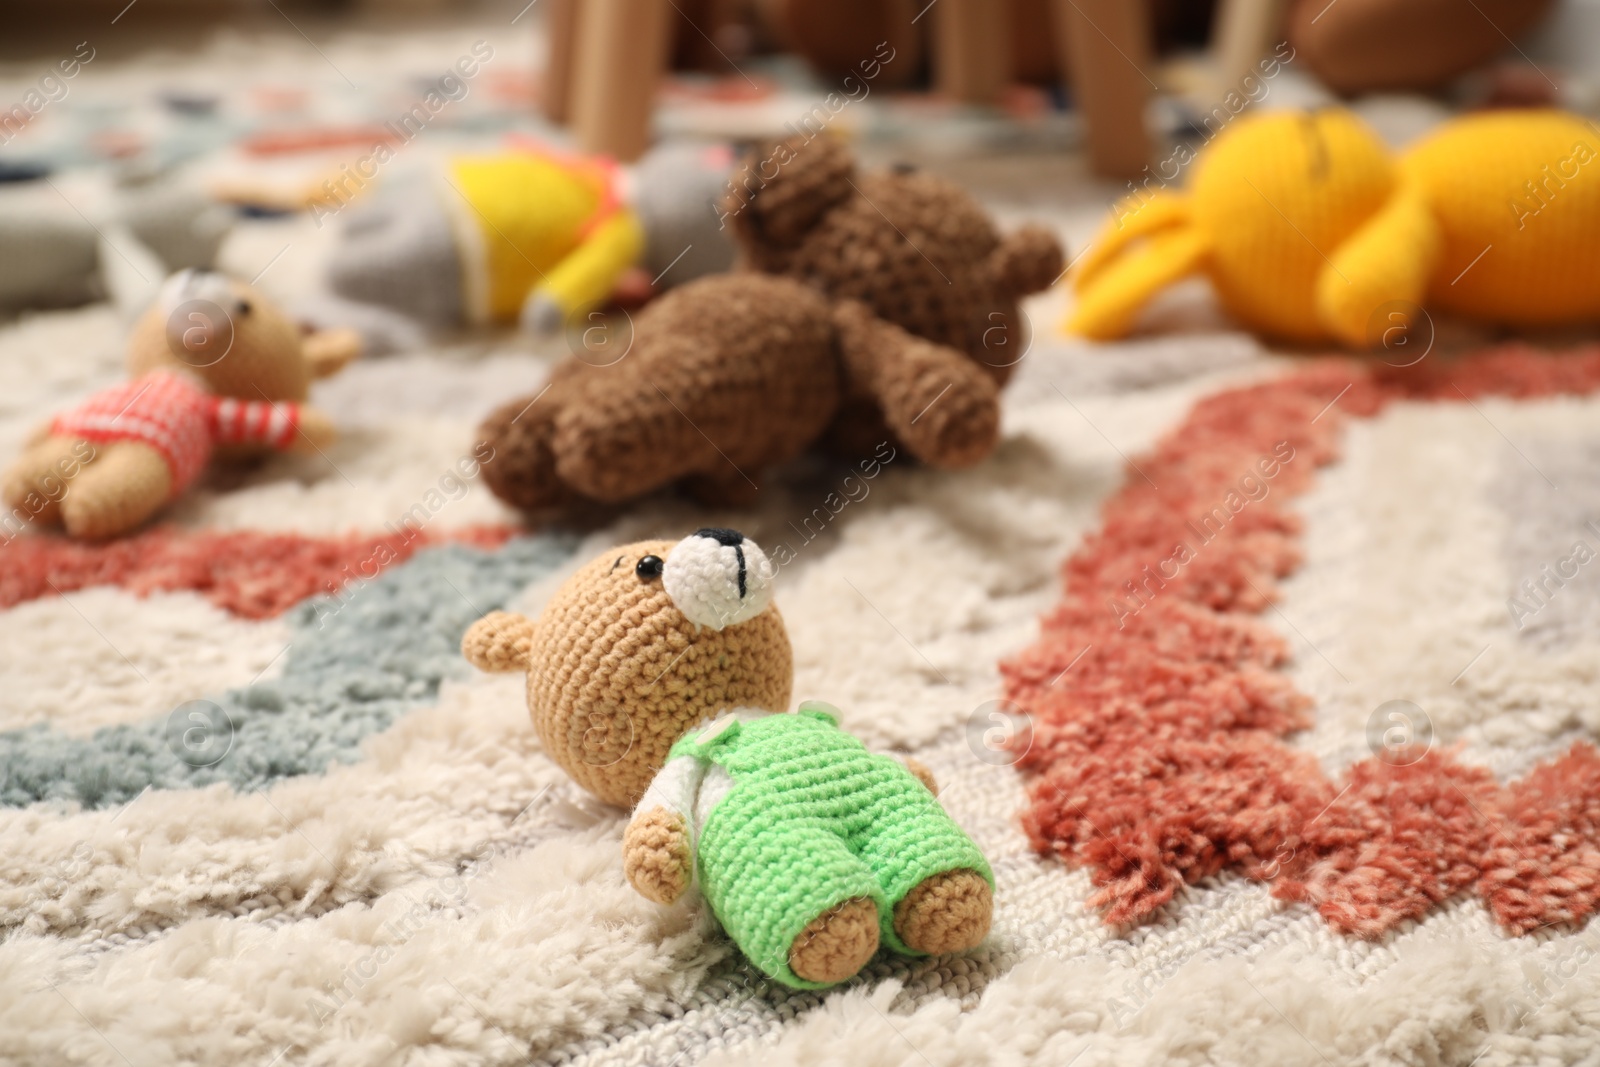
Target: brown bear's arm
(941,404)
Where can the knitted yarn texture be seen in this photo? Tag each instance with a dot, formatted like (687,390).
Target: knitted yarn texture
(813,820)
(616,673)
(810,850)
(743,360)
(215,369)
(881,308)
(179,419)
(921,255)
(1310,230)
(484,238)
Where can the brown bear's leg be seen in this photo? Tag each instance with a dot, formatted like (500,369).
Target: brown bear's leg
(721,421)
(837,943)
(521,468)
(35,483)
(946,912)
(940,403)
(125,485)
(635,437)
(726,376)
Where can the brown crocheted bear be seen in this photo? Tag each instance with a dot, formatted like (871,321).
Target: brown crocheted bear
(875,307)
(215,369)
(659,678)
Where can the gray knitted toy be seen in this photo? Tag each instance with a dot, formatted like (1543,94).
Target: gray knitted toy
(119,242)
(524,236)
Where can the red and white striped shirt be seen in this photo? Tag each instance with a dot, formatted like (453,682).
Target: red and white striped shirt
(175,415)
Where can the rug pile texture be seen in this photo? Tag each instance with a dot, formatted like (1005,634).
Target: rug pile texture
(1267,685)
(257,810)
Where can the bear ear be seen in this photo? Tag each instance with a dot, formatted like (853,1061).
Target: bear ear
(1029,261)
(782,188)
(500,641)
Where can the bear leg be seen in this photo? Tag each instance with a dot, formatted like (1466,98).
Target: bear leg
(837,943)
(36,482)
(520,467)
(946,912)
(127,483)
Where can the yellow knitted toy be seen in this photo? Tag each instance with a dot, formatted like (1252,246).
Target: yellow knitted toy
(1309,230)
(526,234)
(542,224)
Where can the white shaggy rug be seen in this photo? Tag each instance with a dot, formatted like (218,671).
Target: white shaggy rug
(447,896)
(425,887)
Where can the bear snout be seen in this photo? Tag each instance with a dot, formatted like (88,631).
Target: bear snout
(718,578)
(196,284)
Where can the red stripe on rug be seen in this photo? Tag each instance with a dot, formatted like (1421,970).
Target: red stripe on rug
(1157,754)
(1544,866)
(1397,841)
(250,574)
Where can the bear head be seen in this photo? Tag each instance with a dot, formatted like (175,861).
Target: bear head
(639,646)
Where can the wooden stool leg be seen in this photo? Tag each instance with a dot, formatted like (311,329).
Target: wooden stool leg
(1244,33)
(561,28)
(972,50)
(621,54)
(1107,43)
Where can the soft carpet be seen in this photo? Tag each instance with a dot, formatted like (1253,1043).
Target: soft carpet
(243,824)
(1313,788)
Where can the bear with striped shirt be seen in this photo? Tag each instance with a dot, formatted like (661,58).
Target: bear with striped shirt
(215,367)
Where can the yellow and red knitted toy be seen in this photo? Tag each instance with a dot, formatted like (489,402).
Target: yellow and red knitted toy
(659,678)
(215,368)
(1310,231)
(528,234)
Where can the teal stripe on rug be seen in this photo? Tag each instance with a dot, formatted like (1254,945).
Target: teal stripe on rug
(355,664)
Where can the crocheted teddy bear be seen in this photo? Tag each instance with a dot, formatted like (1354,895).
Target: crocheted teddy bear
(659,677)
(1310,230)
(525,234)
(881,307)
(214,368)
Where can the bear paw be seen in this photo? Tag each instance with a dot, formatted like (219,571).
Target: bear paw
(500,641)
(656,857)
(948,912)
(837,943)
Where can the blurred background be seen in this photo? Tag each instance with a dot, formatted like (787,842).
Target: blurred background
(238,129)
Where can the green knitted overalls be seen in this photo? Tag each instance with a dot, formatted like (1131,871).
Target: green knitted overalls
(814,819)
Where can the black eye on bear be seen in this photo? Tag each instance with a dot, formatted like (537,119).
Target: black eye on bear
(649,568)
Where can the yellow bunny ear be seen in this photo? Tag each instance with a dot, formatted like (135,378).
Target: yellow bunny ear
(1132,217)
(1388,260)
(1107,306)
